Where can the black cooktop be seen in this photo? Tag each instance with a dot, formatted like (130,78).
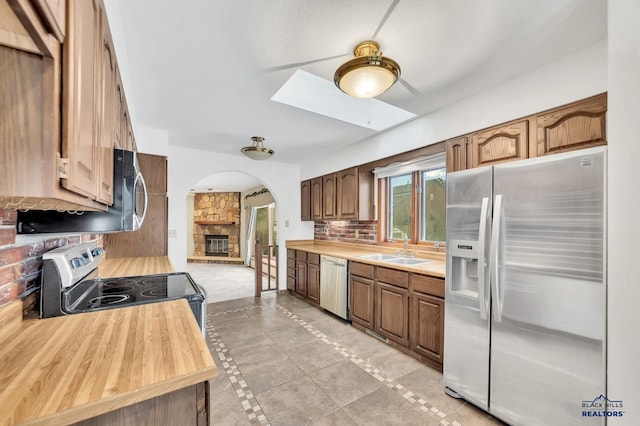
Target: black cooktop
(105,293)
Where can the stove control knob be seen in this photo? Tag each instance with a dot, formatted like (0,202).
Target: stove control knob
(97,251)
(77,262)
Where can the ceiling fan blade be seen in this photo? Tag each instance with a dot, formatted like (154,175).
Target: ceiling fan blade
(299,64)
(385,17)
(409,87)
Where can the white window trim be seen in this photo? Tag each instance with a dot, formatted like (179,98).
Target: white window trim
(435,161)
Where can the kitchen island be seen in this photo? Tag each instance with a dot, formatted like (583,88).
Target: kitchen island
(129,365)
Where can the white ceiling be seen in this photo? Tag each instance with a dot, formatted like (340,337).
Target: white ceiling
(226,182)
(205,70)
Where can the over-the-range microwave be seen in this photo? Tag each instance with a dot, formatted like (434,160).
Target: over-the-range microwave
(126,214)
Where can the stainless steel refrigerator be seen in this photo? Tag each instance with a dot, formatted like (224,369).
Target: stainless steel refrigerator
(525,317)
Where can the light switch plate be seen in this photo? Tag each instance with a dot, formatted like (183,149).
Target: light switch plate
(173,233)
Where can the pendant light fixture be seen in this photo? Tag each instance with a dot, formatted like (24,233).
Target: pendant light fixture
(367,75)
(257,151)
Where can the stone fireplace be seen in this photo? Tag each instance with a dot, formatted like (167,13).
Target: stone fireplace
(216,229)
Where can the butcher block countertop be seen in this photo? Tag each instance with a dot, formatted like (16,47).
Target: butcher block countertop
(127,267)
(435,267)
(65,369)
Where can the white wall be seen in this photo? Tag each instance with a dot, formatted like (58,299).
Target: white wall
(151,140)
(187,166)
(573,77)
(624,208)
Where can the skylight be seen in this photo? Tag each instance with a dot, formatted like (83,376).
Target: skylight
(312,93)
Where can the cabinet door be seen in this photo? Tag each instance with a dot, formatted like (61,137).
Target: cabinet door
(53,14)
(499,144)
(347,196)
(301,278)
(579,125)
(305,200)
(81,55)
(118,111)
(427,326)
(392,312)
(316,198)
(107,129)
(361,301)
(313,283)
(457,154)
(154,171)
(291,270)
(329,196)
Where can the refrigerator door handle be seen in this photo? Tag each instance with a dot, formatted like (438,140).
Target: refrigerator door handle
(494,260)
(482,258)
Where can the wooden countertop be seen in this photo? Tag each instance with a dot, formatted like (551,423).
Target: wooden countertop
(131,266)
(436,266)
(62,370)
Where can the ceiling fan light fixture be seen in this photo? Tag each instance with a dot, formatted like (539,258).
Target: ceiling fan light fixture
(257,151)
(367,75)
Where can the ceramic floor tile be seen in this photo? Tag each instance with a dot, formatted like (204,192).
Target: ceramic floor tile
(427,384)
(255,350)
(365,346)
(330,326)
(314,356)
(387,407)
(228,414)
(289,337)
(394,364)
(468,414)
(238,331)
(269,374)
(345,382)
(299,402)
(337,418)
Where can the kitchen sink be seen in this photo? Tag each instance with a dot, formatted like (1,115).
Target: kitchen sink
(378,256)
(406,261)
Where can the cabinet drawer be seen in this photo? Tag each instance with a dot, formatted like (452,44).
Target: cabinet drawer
(392,276)
(291,254)
(291,272)
(361,269)
(426,284)
(291,263)
(301,255)
(313,259)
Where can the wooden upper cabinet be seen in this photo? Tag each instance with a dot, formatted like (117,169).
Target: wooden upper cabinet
(305,200)
(107,114)
(347,195)
(578,125)
(154,171)
(118,112)
(499,144)
(329,196)
(316,198)
(82,56)
(457,154)
(53,14)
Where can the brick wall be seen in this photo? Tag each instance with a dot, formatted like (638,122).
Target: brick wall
(352,231)
(21,259)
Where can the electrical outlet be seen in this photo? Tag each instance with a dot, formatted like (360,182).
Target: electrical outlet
(173,233)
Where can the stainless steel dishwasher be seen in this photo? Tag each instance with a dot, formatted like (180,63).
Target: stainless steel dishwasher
(334,288)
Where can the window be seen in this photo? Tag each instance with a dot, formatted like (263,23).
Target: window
(412,200)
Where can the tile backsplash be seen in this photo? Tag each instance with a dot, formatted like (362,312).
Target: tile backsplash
(347,231)
(21,258)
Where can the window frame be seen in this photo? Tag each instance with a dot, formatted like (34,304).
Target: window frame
(383,211)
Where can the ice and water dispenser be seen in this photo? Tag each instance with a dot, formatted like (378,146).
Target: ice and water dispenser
(463,261)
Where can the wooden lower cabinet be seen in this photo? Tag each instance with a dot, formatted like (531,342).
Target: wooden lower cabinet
(291,270)
(313,282)
(392,312)
(301,278)
(361,295)
(187,406)
(427,327)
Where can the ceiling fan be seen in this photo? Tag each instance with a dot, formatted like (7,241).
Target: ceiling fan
(367,53)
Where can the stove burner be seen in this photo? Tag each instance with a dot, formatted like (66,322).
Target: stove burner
(118,282)
(116,290)
(99,301)
(152,281)
(154,292)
